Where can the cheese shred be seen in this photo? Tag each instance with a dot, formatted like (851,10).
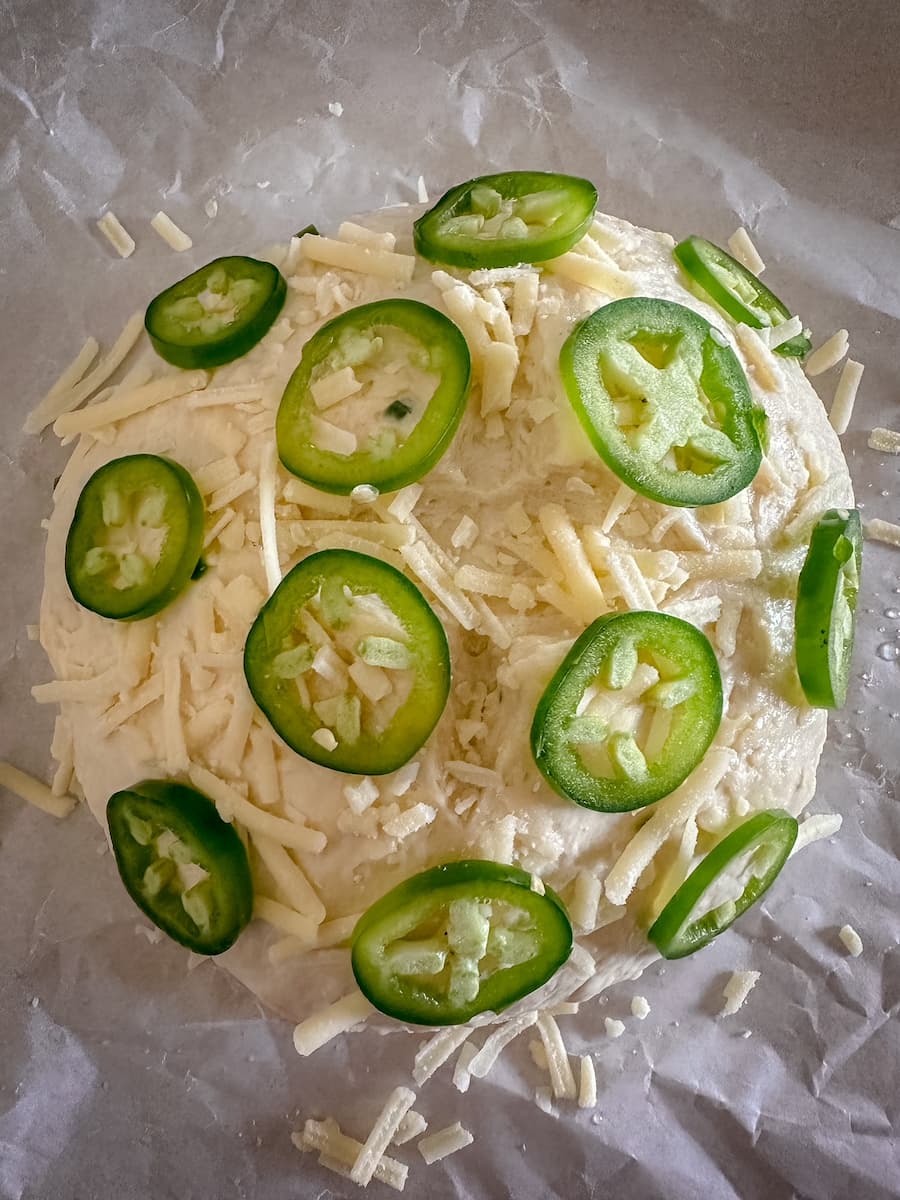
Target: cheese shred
(32,790)
(313,1033)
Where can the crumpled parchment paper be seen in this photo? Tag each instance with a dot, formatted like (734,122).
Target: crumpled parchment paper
(123,1071)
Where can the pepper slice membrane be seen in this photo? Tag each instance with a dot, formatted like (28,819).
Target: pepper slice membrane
(457,940)
(737,291)
(349,663)
(136,537)
(664,401)
(217,313)
(376,399)
(714,895)
(501,220)
(825,614)
(181,864)
(630,712)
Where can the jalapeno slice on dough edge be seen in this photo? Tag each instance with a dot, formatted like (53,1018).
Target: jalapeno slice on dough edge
(182,865)
(664,400)
(136,537)
(502,220)
(825,615)
(734,875)
(737,291)
(217,313)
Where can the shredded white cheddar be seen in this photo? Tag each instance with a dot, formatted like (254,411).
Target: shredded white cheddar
(587,1083)
(829,354)
(743,249)
(446,1141)
(116,234)
(32,790)
(845,396)
(885,440)
(56,403)
(737,989)
(170,232)
(313,1033)
(372,1151)
(851,940)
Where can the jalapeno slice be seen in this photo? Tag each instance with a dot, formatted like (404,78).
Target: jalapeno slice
(629,713)
(664,401)
(376,399)
(706,903)
(181,863)
(825,616)
(502,220)
(460,939)
(217,313)
(136,537)
(349,663)
(737,291)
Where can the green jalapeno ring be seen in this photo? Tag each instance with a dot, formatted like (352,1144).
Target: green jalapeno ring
(539,216)
(460,961)
(350,337)
(673,932)
(217,313)
(825,613)
(136,537)
(610,649)
(277,654)
(664,400)
(160,831)
(737,291)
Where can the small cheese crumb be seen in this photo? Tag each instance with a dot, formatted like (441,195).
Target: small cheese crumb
(170,233)
(412,1125)
(587,1083)
(538,1055)
(461,1076)
(745,252)
(336,108)
(26,787)
(364,493)
(829,354)
(561,1077)
(883,531)
(614,1029)
(640,1008)
(851,939)
(313,1033)
(464,534)
(446,1141)
(116,234)
(411,821)
(885,440)
(737,989)
(845,396)
(325,738)
(360,796)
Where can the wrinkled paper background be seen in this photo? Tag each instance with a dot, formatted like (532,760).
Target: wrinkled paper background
(122,1072)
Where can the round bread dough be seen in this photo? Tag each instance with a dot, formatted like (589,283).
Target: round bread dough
(731,568)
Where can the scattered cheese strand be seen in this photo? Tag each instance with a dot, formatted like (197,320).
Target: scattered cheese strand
(26,787)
